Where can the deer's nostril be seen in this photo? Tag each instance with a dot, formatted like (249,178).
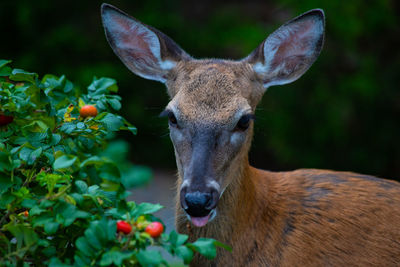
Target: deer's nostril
(212,202)
(182,199)
(198,204)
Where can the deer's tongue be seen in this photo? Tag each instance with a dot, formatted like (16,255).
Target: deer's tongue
(200,221)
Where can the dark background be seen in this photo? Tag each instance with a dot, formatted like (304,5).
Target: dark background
(343,114)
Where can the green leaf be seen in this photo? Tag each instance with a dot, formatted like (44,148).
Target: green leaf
(55,139)
(56,262)
(6,199)
(80,125)
(5,163)
(205,247)
(23,234)
(36,210)
(109,186)
(28,203)
(68,127)
(93,237)
(97,236)
(114,103)
(150,258)
(112,122)
(4,62)
(51,251)
(34,155)
(78,198)
(100,86)
(23,76)
(5,183)
(94,160)
(82,186)
(51,227)
(222,245)
(68,213)
(22,193)
(64,162)
(83,245)
(132,129)
(111,229)
(115,257)
(184,253)
(45,203)
(50,157)
(110,171)
(145,208)
(5,71)
(177,239)
(24,153)
(99,228)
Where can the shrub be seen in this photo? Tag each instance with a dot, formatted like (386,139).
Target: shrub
(61,189)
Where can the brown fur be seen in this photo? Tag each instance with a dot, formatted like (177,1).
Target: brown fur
(298,218)
(304,218)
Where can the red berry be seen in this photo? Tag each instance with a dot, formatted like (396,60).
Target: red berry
(88,111)
(155,229)
(26,213)
(124,227)
(4,120)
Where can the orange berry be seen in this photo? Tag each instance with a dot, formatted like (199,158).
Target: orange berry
(88,111)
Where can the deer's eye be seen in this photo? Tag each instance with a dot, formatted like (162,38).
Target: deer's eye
(171,117)
(244,122)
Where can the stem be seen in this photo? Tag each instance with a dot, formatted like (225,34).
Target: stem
(127,242)
(15,252)
(59,193)
(12,171)
(4,217)
(31,176)
(57,127)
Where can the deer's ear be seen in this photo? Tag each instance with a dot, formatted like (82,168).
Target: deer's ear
(145,51)
(289,51)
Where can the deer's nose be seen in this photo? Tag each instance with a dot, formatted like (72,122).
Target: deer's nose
(198,204)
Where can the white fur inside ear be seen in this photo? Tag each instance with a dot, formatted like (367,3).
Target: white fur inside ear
(260,68)
(167,64)
(154,46)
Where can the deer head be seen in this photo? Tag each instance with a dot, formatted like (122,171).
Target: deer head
(212,101)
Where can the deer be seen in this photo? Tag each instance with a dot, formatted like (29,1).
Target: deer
(305,217)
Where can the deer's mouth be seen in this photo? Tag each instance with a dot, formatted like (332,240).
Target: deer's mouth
(199,206)
(202,221)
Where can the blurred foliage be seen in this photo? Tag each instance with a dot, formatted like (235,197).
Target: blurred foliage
(63,185)
(342,114)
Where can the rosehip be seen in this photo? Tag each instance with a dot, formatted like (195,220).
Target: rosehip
(4,120)
(124,227)
(88,111)
(154,229)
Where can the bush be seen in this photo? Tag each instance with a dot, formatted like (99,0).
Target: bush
(61,189)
